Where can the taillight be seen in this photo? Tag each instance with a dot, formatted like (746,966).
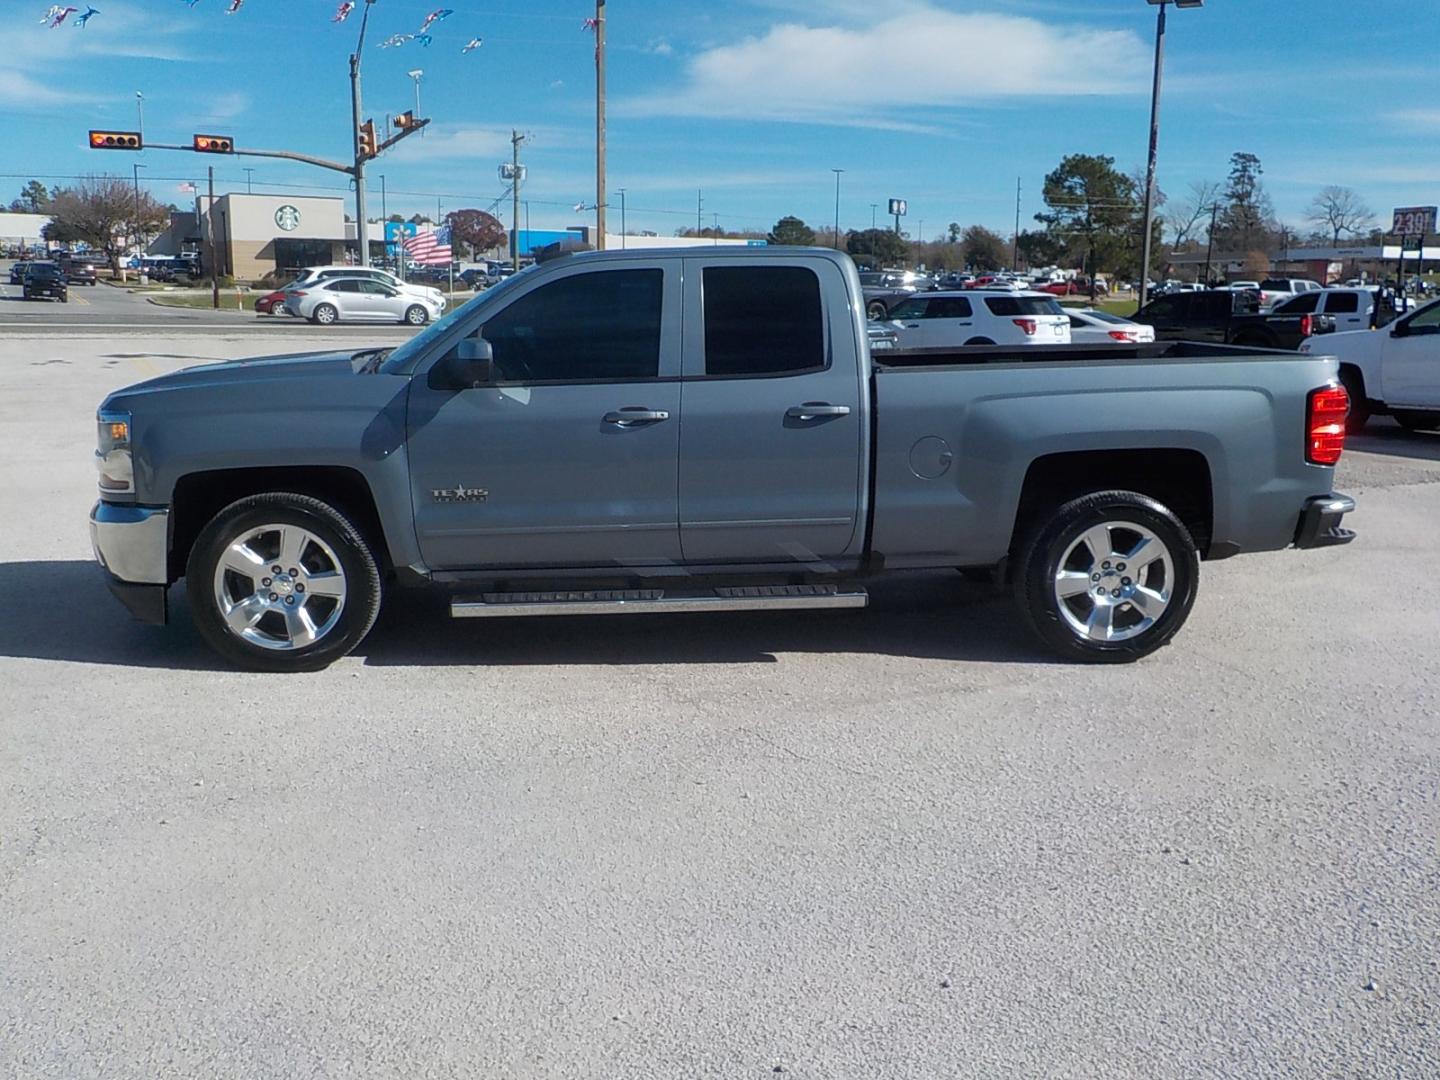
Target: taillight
(1030,326)
(1305,324)
(1326,411)
(298,292)
(1123,335)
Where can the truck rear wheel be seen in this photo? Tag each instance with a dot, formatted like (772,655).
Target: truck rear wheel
(282,582)
(1108,577)
(1359,414)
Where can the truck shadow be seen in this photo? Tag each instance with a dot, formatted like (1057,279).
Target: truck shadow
(936,616)
(1385,436)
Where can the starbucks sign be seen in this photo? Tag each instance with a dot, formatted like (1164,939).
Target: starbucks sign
(288,218)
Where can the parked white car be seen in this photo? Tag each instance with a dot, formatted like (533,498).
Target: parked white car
(1354,309)
(312,274)
(358,299)
(938,320)
(1091,327)
(1277,290)
(1394,370)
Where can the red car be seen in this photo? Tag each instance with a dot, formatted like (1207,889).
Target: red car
(271,304)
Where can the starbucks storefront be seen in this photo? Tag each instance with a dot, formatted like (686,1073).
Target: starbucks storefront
(256,235)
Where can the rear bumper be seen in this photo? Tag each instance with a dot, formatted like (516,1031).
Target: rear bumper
(1320,522)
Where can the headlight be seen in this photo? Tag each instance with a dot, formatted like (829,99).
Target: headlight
(112,455)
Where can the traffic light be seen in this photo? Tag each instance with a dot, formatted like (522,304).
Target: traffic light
(404,122)
(213,144)
(116,140)
(366,149)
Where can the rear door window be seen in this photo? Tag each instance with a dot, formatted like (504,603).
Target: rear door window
(1342,303)
(1008,306)
(762,320)
(1299,305)
(950,307)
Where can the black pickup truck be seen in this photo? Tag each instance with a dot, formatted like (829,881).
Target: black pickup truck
(1229,317)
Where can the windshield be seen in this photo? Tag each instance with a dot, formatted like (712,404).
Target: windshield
(402,357)
(1105,316)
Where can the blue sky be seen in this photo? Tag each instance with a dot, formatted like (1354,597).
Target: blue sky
(942,102)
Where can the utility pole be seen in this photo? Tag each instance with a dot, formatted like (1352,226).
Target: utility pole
(210,243)
(837,173)
(135,171)
(248,171)
(383,215)
(622,218)
(873,208)
(1210,240)
(1015,240)
(600,124)
(699,207)
(362,227)
(515,140)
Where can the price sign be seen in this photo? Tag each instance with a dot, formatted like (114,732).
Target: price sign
(1414,221)
(898,207)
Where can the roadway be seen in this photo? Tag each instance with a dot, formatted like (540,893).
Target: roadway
(896,842)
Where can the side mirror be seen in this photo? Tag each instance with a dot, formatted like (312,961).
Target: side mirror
(472,364)
(1399,330)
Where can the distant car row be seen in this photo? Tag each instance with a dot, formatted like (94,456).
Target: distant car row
(74,272)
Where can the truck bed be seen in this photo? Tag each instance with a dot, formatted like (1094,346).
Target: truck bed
(972,355)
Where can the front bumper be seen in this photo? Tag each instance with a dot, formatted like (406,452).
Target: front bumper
(1320,522)
(132,543)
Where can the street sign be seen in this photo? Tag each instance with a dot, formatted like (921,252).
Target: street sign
(1414,221)
(507,173)
(898,207)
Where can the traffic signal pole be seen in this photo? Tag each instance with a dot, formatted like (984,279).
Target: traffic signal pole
(362,226)
(210,243)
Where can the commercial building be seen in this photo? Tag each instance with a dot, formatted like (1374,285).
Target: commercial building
(22,230)
(259,234)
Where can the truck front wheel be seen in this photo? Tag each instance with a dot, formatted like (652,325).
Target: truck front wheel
(1108,577)
(282,582)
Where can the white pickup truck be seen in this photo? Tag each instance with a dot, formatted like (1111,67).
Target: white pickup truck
(1394,370)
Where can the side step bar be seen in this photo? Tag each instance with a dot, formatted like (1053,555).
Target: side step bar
(655,601)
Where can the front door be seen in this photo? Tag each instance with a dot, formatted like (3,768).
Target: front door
(772,440)
(1411,368)
(570,457)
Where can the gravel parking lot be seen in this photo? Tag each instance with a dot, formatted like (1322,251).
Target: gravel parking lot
(896,842)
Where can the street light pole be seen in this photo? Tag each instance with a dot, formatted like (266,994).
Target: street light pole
(135,172)
(837,173)
(1149,216)
(140,113)
(600,125)
(416,75)
(362,227)
(622,218)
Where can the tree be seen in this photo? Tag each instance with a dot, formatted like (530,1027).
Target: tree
(106,213)
(34,199)
(953,232)
(1247,220)
(1093,210)
(1340,210)
(879,247)
(1040,249)
(984,248)
(476,229)
(1186,216)
(791,230)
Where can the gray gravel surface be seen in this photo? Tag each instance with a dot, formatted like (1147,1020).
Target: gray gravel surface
(897,842)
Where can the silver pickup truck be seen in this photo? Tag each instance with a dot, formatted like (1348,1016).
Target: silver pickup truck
(703,430)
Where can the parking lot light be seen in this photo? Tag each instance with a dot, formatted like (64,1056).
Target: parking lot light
(1149,216)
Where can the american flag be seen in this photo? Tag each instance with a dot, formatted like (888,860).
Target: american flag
(430,248)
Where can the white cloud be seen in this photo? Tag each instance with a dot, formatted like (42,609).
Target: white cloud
(19,91)
(921,57)
(659,47)
(1423,120)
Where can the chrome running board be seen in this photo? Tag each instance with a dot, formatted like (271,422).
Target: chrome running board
(656,601)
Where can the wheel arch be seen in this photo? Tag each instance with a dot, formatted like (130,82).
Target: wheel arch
(1179,478)
(199,496)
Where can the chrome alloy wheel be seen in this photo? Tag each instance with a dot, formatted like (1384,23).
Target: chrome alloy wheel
(279,587)
(1114,581)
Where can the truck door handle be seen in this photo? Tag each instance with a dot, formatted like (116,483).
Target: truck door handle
(632,415)
(815,410)
(912,326)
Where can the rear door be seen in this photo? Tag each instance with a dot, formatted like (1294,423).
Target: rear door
(772,427)
(1347,309)
(949,321)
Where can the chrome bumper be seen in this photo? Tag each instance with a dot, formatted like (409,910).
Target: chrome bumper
(131,542)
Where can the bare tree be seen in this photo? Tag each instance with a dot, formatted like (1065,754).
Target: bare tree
(106,213)
(1340,210)
(1187,214)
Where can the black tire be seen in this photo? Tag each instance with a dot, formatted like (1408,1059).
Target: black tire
(979,341)
(1416,420)
(333,530)
(1055,535)
(876,310)
(415,315)
(325,315)
(1359,414)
